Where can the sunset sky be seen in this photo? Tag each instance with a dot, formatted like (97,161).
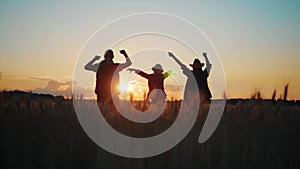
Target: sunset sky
(257,41)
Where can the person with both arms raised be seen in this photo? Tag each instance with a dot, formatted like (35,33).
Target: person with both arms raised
(107,74)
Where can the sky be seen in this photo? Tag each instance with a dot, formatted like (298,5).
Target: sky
(257,41)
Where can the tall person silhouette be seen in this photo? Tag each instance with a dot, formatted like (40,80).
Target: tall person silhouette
(199,74)
(107,74)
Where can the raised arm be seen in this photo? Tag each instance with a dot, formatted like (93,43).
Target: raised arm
(90,66)
(176,59)
(127,63)
(182,66)
(207,63)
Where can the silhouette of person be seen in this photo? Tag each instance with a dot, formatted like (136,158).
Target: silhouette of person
(106,82)
(155,81)
(199,74)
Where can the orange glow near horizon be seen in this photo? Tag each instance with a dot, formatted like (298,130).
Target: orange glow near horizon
(240,89)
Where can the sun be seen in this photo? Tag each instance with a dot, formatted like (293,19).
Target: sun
(124,87)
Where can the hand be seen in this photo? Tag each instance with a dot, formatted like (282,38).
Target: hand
(97,57)
(171,54)
(204,54)
(123,52)
(133,70)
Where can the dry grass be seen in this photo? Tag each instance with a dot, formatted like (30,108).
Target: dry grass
(43,132)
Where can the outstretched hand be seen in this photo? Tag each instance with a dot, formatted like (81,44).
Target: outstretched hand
(204,54)
(97,57)
(171,54)
(123,52)
(132,70)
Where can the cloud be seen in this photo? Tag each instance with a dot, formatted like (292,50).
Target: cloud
(47,78)
(38,78)
(55,87)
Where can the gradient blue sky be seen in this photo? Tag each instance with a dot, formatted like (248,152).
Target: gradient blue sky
(258,41)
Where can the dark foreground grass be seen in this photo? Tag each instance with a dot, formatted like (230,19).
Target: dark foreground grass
(40,131)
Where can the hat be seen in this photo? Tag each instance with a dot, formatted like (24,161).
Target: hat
(197,64)
(109,54)
(157,67)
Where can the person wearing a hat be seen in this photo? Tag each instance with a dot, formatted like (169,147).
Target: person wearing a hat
(107,74)
(199,74)
(155,81)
